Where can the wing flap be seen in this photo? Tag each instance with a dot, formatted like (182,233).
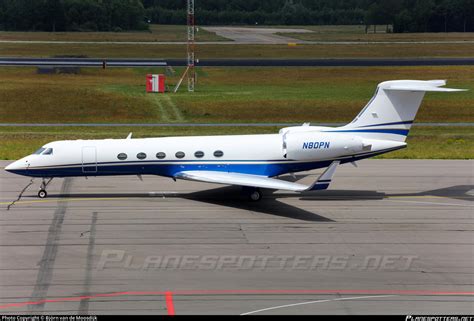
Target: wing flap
(240,180)
(249,180)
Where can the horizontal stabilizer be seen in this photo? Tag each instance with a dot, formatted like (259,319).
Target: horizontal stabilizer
(419,86)
(325,179)
(424,89)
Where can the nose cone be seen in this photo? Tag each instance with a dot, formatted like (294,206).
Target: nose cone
(13,166)
(18,167)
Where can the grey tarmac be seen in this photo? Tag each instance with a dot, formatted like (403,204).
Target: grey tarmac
(98,245)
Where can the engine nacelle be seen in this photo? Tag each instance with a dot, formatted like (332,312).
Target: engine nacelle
(318,145)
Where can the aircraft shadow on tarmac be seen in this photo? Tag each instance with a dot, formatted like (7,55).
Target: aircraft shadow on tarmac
(460,192)
(231,196)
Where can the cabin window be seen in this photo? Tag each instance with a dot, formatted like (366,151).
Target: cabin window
(122,156)
(199,154)
(179,155)
(49,151)
(39,151)
(218,153)
(141,155)
(160,155)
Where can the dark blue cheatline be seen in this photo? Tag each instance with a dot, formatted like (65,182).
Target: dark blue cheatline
(166,168)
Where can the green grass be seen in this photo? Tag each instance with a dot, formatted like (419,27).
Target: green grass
(437,143)
(174,33)
(238,51)
(423,142)
(156,33)
(222,95)
(357,33)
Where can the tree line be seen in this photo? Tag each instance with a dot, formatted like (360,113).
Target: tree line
(72,15)
(117,15)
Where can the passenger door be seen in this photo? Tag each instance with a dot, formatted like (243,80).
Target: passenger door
(89,160)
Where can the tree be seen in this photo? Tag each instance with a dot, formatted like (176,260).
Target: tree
(54,14)
(404,15)
(374,15)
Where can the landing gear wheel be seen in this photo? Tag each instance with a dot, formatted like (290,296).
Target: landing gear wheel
(255,195)
(42,193)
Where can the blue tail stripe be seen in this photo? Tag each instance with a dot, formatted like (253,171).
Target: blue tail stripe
(403,132)
(407,122)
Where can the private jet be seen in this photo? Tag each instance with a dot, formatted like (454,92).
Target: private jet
(253,162)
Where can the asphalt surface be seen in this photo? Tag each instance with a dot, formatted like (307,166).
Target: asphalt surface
(98,62)
(124,246)
(81,62)
(272,36)
(257,35)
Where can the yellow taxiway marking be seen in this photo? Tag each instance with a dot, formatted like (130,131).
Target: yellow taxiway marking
(66,199)
(70,200)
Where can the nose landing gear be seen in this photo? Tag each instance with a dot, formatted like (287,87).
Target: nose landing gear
(42,192)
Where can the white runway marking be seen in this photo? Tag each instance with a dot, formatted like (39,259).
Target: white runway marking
(318,301)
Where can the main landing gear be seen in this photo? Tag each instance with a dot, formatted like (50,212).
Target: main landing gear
(42,192)
(253,194)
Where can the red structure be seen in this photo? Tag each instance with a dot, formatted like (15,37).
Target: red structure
(155,83)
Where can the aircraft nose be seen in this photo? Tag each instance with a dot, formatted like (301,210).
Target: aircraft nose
(17,165)
(11,167)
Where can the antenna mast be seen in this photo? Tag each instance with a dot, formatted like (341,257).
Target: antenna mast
(191,31)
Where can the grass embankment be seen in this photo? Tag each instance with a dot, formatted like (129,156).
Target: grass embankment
(357,33)
(172,33)
(204,51)
(156,33)
(223,95)
(226,95)
(177,33)
(423,142)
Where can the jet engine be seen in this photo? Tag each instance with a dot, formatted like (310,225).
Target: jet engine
(319,145)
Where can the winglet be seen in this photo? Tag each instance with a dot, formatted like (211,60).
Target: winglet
(129,136)
(324,180)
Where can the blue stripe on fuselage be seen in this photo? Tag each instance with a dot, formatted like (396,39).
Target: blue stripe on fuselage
(170,170)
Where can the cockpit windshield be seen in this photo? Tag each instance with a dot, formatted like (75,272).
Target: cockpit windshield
(39,151)
(44,151)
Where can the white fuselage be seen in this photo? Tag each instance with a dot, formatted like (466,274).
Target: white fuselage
(292,150)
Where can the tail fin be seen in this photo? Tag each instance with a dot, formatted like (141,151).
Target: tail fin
(391,112)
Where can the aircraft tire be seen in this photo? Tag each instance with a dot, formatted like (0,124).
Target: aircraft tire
(42,193)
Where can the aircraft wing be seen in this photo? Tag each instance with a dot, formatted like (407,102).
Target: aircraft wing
(258,181)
